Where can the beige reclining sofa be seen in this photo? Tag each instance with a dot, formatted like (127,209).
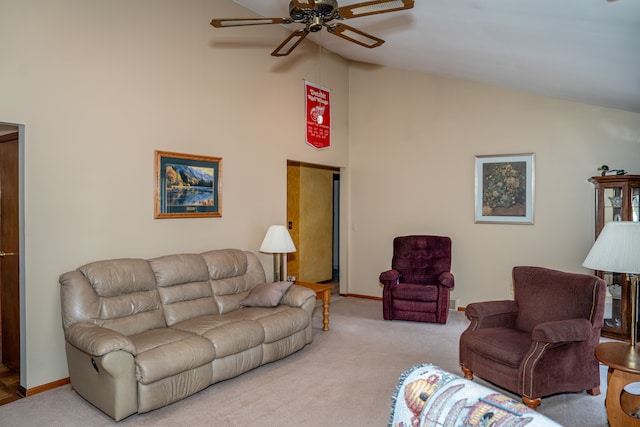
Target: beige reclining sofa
(141,334)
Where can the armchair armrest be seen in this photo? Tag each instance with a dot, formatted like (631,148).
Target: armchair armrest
(446,279)
(562,331)
(489,314)
(96,340)
(389,277)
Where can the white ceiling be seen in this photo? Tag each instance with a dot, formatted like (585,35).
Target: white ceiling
(579,50)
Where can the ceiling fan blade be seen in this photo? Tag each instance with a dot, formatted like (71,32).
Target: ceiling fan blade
(290,43)
(354,35)
(239,22)
(372,8)
(304,4)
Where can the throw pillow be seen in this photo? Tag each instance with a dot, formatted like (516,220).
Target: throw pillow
(266,294)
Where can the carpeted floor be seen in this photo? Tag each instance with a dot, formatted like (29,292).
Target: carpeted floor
(344,378)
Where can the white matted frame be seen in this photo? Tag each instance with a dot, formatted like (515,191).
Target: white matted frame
(505,188)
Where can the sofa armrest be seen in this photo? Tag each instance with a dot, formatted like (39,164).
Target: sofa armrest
(562,331)
(489,314)
(389,277)
(96,340)
(297,295)
(446,279)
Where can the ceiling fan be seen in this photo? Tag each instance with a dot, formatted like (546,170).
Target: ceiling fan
(315,14)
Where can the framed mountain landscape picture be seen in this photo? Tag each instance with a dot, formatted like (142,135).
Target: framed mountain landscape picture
(187,186)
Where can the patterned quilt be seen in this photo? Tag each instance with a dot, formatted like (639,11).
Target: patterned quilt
(427,396)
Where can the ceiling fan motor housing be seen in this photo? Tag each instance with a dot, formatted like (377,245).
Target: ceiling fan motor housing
(325,8)
(315,17)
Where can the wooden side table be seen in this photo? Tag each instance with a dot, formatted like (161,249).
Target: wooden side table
(323,292)
(624,368)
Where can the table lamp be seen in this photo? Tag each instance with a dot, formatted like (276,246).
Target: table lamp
(617,249)
(278,242)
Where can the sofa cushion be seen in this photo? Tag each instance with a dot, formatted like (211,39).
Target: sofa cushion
(163,353)
(183,286)
(225,263)
(282,323)
(235,337)
(124,296)
(119,276)
(232,273)
(228,334)
(266,294)
(276,322)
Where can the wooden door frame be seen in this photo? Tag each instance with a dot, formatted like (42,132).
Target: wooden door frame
(21,236)
(342,217)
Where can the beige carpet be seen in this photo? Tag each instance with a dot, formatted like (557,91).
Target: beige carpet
(344,378)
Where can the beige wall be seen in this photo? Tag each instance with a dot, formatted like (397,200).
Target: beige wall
(413,141)
(100,85)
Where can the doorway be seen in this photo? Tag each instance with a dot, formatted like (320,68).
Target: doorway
(313,219)
(9,263)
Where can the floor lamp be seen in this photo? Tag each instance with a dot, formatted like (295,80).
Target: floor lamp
(617,249)
(278,242)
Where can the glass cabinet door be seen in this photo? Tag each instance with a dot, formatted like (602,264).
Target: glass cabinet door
(613,311)
(615,314)
(635,204)
(613,204)
(617,199)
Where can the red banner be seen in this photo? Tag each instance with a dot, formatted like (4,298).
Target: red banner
(318,115)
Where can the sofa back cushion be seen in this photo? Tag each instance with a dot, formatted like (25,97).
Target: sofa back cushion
(183,285)
(232,274)
(118,294)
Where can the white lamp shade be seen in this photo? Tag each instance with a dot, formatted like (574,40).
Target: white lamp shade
(277,241)
(617,248)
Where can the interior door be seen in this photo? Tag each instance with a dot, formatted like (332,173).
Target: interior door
(9,250)
(310,217)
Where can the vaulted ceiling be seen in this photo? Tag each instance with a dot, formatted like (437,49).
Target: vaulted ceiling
(586,51)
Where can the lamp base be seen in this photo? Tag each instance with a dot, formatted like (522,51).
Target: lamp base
(278,267)
(633,280)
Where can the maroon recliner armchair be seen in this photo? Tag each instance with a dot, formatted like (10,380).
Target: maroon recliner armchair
(418,285)
(543,341)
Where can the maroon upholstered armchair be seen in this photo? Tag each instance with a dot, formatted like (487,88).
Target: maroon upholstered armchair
(417,286)
(542,342)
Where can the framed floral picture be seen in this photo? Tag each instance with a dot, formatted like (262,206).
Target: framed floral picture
(187,186)
(504,188)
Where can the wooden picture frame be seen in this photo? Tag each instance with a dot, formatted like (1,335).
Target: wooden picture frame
(505,188)
(187,186)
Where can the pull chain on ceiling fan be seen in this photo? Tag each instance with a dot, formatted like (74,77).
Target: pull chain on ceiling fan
(315,14)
